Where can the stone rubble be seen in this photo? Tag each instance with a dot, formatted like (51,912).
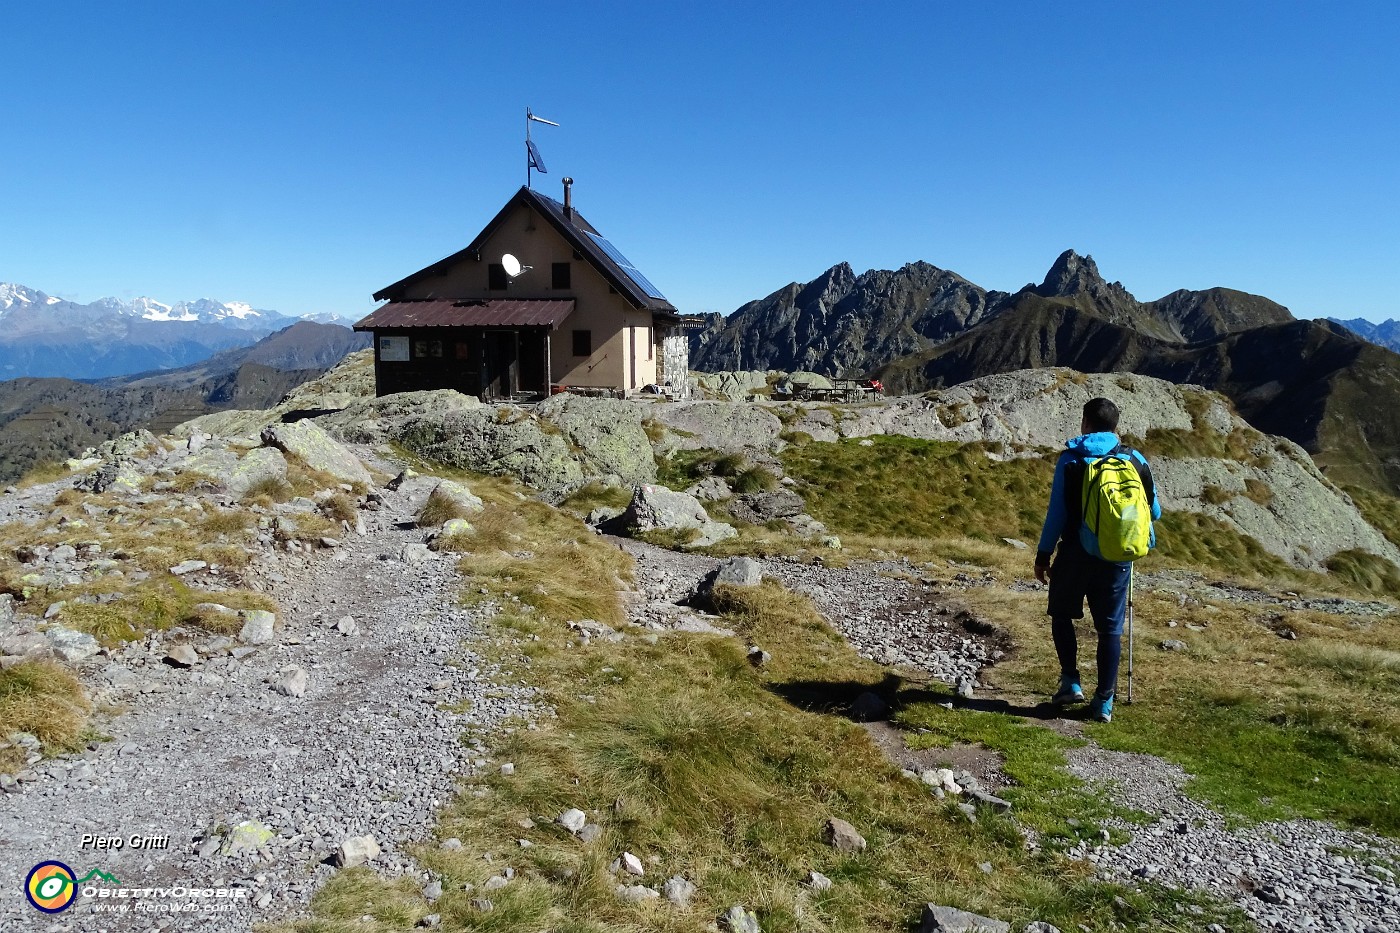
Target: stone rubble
(1294,875)
(261,787)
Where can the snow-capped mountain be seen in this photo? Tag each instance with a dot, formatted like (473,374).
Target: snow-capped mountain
(11,295)
(41,335)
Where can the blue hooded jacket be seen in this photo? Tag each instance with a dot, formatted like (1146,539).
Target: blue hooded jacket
(1097,444)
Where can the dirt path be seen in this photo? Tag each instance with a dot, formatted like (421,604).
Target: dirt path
(372,748)
(1298,875)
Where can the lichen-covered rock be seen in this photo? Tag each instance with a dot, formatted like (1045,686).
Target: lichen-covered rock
(732,386)
(255,467)
(349,382)
(500,441)
(710,489)
(126,446)
(607,435)
(758,508)
(306,441)
(259,626)
(458,497)
(658,508)
(71,645)
(717,425)
(376,420)
(119,477)
(210,461)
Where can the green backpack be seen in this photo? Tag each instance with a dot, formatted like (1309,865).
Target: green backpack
(1117,506)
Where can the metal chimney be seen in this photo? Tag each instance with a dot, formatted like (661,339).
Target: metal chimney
(568,199)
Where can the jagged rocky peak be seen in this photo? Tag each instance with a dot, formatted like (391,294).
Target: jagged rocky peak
(829,287)
(1072,274)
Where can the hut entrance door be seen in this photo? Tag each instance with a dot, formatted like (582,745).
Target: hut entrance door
(502,364)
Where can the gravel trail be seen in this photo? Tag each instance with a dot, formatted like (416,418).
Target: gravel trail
(1294,875)
(884,610)
(372,748)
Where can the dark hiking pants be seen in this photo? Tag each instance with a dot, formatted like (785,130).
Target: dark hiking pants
(1077,578)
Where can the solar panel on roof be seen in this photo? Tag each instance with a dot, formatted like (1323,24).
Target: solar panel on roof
(632,271)
(535,161)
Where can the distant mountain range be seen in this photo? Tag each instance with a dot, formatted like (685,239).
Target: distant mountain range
(1384,334)
(922,327)
(45,336)
(47,419)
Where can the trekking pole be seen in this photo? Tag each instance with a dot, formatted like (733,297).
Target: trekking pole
(1129,700)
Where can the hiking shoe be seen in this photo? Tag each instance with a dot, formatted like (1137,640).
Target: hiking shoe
(1101,709)
(1069,692)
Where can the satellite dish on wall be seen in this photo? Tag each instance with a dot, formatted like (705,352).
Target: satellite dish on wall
(512,265)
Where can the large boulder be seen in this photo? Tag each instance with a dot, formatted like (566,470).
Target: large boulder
(256,467)
(732,386)
(658,508)
(306,441)
(810,379)
(454,500)
(71,645)
(606,434)
(723,426)
(210,461)
(759,508)
(498,441)
(127,446)
(376,420)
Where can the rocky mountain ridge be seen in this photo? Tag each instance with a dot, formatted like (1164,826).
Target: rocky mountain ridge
(1385,334)
(843,324)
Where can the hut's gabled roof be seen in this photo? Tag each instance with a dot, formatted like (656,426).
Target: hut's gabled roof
(580,234)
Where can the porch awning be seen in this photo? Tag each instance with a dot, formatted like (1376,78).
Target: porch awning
(498,312)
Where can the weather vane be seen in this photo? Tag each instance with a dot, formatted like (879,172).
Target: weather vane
(532,154)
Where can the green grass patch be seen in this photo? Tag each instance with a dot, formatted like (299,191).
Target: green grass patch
(1366,571)
(682,468)
(903,487)
(1257,755)
(755,479)
(1046,796)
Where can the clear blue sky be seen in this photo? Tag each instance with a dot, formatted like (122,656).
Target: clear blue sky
(299,156)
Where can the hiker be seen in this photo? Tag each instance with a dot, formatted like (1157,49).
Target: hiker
(1081,571)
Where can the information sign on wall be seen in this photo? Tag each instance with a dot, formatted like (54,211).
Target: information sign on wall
(393,349)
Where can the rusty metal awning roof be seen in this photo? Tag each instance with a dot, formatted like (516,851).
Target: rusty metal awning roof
(447,312)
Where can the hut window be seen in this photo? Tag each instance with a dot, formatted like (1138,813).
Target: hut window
(420,349)
(496,279)
(583,343)
(559,275)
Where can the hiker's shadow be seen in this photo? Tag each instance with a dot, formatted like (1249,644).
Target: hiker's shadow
(846,698)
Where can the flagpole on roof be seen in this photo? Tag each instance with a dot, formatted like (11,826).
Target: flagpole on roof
(532,155)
